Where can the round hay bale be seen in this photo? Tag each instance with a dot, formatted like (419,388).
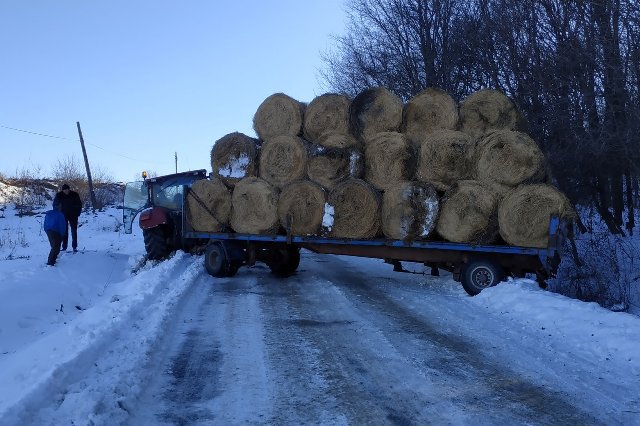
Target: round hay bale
(326,113)
(409,211)
(277,115)
(389,159)
(209,206)
(330,166)
(444,158)
(254,207)
(487,110)
(525,212)
(337,140)
(302,205)
(283,159)
(374,111)
(429,111)
(234,157)
(353,210)
(468,213)
(509,158)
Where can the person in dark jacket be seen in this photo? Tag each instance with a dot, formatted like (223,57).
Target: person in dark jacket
(71,208)
(55,225)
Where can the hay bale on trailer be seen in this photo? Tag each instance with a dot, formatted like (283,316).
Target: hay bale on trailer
(234,157)
(390,158)
(509,158)
(277,115)
(301,205)
(487,110)
(337,140)
(444,158)
(353,210)
(209,206)
(326,113)
(409,211)
(254,207)
(283,159)
(429,111)
(374,111)
(468,213)
(330,166)
(525,212)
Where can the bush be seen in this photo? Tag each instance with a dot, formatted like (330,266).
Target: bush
(71,171)
(600,267)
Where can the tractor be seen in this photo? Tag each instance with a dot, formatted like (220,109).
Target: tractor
(159,201)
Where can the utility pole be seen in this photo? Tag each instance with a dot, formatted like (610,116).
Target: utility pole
(176,155)
(94,203)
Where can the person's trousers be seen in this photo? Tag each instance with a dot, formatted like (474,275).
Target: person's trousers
(54,242)
(72,223)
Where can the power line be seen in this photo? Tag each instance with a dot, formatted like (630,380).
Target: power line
(68,139)
(35,133)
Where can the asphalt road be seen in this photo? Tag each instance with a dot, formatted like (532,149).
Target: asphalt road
(330,345)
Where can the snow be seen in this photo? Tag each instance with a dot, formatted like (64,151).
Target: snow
(236,167)
(74,338)
(327,219)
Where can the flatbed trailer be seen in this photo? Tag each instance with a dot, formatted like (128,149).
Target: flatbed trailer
(475,266)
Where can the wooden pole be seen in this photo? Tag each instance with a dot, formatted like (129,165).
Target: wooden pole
(92,194)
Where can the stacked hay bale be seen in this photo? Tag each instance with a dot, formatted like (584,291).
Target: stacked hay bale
(373,167)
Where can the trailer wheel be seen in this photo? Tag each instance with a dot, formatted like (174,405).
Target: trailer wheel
(215,261)
(286,262)
(233,269)
(480,274)
(155,243)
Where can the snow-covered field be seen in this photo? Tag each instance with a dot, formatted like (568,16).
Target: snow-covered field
(75,337)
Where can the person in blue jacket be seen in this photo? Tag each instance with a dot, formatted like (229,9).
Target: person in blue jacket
(55,225)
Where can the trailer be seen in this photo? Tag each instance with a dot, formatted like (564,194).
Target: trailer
(476,266)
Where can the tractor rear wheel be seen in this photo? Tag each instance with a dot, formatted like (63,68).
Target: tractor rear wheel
(155,243)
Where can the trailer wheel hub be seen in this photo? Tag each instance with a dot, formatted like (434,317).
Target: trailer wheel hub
(482,277)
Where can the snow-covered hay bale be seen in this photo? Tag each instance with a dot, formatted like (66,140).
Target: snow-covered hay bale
(353,210)
(444,158)
(254,207)
(326,113)
(337,140)
(389,159)
(468,213)
(234,157)
(487,110)
(525,212)
(301,205)
(429,111)
(409,211)
(374,111)
(208,206)
(277,115)
(509,158)
(330,166)
(283,159)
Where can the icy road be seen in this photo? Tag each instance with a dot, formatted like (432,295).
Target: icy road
(344,341)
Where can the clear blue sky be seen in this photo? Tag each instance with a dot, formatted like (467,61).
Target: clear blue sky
(147,78)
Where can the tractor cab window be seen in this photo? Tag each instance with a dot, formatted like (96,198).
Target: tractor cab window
(168,194)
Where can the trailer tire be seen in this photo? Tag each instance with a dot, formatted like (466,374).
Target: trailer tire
(233,269)
(155,243)
(286,263)
(216,262)
(480,274)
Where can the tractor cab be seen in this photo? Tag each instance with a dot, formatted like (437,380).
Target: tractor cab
(159,202)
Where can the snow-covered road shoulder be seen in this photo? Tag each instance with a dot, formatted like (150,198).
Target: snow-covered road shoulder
(587,329)
(57,321)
